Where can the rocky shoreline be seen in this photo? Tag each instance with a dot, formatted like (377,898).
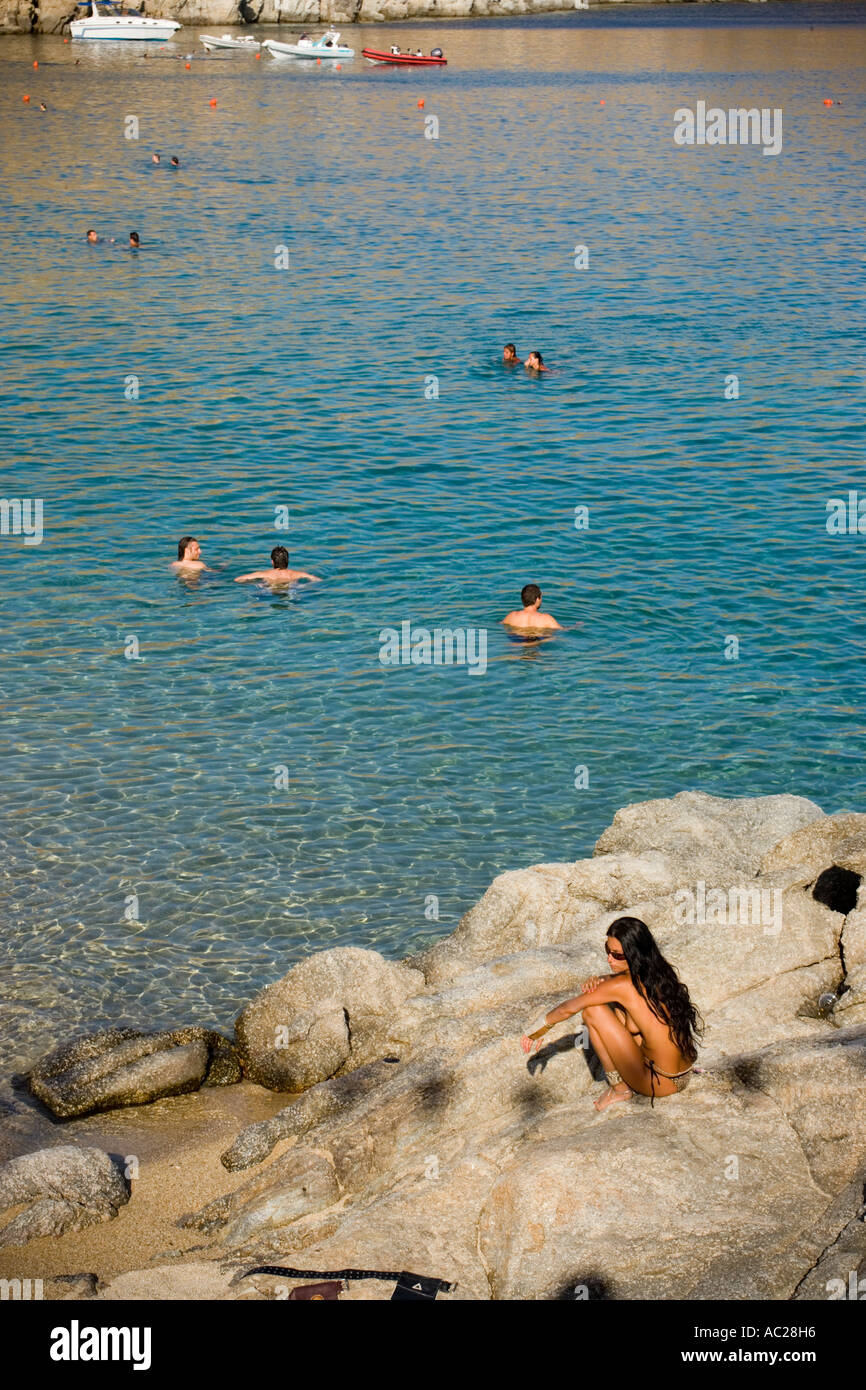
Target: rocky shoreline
(52,16)
(406,1130)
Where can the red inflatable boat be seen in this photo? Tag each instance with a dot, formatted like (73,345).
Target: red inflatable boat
(406,60)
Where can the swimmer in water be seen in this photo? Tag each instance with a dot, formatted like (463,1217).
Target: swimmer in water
(529,616)
(188,555)
(175,162)
(92,237)
(154,159)
(535,363)
(509,355)
(280,574)
(134,241)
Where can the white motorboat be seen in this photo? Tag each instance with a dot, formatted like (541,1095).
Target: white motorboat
(326,46)
(108,21)
(249,44)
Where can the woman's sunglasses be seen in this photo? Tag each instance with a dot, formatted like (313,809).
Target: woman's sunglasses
(614,955)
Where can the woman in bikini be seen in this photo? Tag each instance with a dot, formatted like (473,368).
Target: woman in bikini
(640,1019)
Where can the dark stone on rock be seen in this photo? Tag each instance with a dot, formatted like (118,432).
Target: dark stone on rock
(128,1066)
(71,1286)
(837,889)
(225,1067)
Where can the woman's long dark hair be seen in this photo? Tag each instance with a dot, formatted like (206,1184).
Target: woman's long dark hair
(658,982)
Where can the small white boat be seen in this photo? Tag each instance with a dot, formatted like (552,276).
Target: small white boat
(230,41)
(108,21)
(326,46)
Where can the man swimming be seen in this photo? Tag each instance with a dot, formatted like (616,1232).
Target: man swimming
(530,616)
(535,363)
(280,574)
(134,241)
(188,555)
(509,355)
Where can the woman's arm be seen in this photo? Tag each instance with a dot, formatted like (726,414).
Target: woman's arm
(607,991)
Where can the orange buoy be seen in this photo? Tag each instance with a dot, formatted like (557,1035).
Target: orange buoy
(601,103)
(259,56)
(65,40)
(828,101)
(35,64)
(420,103)
(25,98)
(339,67)
(188,66)
(319,61)
(213,101)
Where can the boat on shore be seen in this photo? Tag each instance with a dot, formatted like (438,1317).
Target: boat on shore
(327,45)
(406,60)
(248,44)
(108,21)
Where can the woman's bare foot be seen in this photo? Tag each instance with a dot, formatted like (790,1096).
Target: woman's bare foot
(614,1093)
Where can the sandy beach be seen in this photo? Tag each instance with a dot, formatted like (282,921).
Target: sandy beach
(177,1142)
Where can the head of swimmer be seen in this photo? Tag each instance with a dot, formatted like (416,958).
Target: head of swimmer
(91,235)
(280,557)
(530,596)
(534,361)
(134,240)
(188,549)
(509,353)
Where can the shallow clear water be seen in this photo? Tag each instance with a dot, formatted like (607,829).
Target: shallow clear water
(305,389)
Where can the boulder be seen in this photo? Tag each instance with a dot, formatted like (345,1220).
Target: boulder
(330,1013)
(775,1010)
(831,841)
(304,1182)
(126,1066)
(721,959)
(644,1205)
(813,1081)
(63,1189)
(548,905)
(708,837)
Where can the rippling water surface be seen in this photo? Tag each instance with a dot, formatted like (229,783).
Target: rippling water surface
(155,783)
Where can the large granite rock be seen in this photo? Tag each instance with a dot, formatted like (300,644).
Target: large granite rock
(690,1183)
(712,838)
(818,1084)
(819,845)
(498,1173)
(330,1012)
(440,1147)
(62,1189)
(126,1066)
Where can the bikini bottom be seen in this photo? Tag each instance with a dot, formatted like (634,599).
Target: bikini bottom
(680,1079)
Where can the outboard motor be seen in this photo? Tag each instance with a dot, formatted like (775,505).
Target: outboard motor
(435,52)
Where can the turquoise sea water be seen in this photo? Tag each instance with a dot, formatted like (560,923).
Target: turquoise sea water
(410,258)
